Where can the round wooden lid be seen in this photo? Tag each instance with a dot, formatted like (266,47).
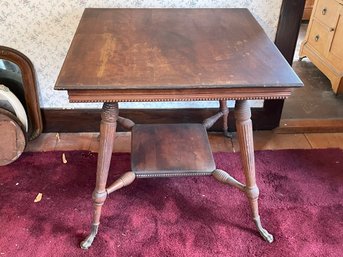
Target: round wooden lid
(12,137)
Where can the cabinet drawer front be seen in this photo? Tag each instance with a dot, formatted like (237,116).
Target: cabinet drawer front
(318,37)
(327,11)
(335,54)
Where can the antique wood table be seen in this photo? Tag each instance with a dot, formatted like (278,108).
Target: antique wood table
(136,55)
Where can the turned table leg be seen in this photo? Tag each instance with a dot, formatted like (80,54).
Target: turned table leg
(225,110)
(108,126)
(245,137)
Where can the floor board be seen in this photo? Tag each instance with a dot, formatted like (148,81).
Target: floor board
(269,140)
(70,141)
(325,140)
(263,140)
(45,142)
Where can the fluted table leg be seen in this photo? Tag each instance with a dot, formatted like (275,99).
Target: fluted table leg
(109,117)
(245,137)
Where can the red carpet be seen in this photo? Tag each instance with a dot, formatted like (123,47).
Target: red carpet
(301,204)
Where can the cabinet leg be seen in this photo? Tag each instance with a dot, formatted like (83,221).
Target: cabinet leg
(245,137)
(108,126)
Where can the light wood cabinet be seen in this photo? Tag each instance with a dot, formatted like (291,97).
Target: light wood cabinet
(308,9)
(323,43)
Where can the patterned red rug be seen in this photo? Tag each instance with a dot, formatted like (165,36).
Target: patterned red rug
(301,203)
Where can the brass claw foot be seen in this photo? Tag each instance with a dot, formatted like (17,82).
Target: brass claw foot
(263,232)
(85,244)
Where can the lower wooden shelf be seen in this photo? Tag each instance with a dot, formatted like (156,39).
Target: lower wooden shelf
(168,150)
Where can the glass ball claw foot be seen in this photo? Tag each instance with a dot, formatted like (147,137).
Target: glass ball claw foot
(85,244)
(263,232)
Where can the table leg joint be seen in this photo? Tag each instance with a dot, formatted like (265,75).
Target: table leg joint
(99,197)
(224,177)
(252,192)
(126,123)
(124,180)
(209,122)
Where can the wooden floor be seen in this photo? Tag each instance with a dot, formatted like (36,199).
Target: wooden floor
(263,140)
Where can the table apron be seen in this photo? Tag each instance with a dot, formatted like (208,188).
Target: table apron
(154,95)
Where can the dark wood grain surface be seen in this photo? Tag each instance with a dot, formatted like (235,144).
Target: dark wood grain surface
(123,55)
(170,148)
(172,49)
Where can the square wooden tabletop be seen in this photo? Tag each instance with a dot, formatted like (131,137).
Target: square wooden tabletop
(172,49)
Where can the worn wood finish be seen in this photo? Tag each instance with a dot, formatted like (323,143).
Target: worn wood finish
(123,55)
(12,138)
(108,126)
(288,28)
(57,120)
(246,143)
(31,103)
(266,118)
(139,49)
(166,150)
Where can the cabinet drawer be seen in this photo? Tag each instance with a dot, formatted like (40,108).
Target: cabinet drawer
(327,11)
(318,37)
(335,54)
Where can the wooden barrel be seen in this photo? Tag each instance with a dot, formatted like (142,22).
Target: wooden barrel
(12,137)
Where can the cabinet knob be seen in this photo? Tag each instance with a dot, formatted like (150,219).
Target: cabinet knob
(332,29)
(316,38)
(324,11)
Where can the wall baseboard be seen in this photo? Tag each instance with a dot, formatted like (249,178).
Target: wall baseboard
(310,126)
(88,120)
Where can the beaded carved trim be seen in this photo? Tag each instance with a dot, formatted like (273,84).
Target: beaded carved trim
(168,175)
(178,99)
